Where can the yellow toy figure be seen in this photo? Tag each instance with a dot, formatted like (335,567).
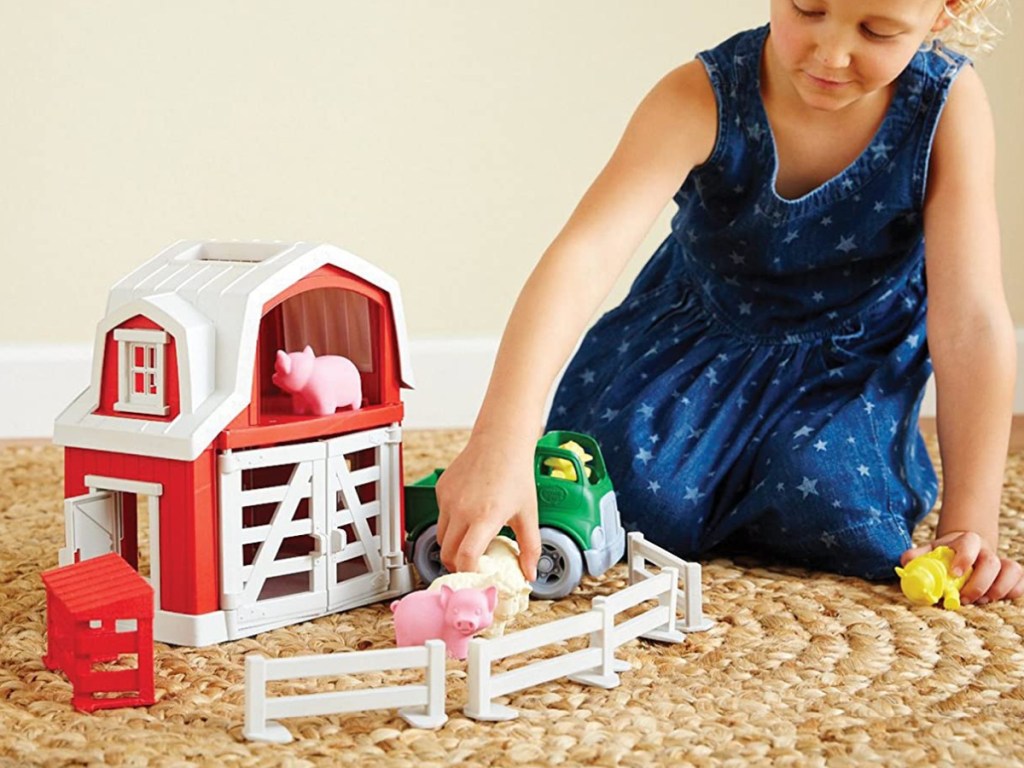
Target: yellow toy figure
(562,468)
(927,578)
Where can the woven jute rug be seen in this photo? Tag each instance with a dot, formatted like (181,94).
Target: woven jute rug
(800,668)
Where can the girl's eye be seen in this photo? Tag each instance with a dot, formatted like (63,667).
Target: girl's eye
(801,12)
(875,35)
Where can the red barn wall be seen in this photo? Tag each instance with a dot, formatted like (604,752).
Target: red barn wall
(189,532)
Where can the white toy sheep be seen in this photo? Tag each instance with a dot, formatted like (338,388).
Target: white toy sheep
(498,567)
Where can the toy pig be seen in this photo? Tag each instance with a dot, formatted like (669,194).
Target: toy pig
(318,385)
(499,567)
(452,615)
(926,579)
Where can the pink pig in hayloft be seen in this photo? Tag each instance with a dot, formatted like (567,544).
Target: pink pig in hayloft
(452,615)
(318,385)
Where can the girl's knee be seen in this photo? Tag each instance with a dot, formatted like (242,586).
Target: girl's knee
(869,550)
(850,541)
(664,517)
(872,551)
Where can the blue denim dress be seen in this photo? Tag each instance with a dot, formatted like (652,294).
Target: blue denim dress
(760,384)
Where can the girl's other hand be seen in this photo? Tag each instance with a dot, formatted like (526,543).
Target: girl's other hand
(489,485)
(994,577)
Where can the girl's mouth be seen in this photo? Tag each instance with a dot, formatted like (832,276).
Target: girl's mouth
(822,82)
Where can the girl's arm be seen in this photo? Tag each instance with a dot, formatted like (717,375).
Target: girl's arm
(491,482)
(971,339)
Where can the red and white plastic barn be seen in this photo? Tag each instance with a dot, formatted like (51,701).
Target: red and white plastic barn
(257,517)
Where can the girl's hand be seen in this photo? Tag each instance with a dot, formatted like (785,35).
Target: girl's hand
(489,485)
(994,578)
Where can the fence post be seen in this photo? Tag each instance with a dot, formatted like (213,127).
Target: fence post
(436,653)
(694,620)
(667,632)
(632,555)
(257,727)
(478,682)
(605,675)
(433,714)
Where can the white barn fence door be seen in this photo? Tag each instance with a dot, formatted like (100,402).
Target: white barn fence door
(308,529)
(359,467)
(273,546)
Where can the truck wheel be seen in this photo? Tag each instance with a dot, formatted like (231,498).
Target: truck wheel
(560,567)
(426,556)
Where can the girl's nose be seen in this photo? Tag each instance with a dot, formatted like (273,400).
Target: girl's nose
(832,52)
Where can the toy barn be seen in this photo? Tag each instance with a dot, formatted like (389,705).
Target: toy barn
(257,517)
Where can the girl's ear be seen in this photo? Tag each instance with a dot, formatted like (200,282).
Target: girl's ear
(944,19)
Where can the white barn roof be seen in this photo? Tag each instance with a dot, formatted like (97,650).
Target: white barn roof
(210,297)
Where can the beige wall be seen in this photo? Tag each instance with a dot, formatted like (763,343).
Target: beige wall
(444,140)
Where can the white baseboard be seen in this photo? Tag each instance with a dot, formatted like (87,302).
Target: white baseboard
(451,378)
(38,381)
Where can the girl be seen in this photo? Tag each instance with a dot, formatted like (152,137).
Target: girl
(760,384)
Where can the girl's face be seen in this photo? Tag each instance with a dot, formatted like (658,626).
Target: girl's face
(834,52)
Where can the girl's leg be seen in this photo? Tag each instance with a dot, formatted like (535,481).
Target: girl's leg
(841,492)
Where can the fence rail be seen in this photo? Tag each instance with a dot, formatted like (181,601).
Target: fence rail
(640,552)
(594,665)
(422,705)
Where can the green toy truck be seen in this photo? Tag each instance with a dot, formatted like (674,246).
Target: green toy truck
(577,511)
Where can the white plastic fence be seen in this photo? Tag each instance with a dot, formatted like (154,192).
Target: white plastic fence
(594,665)
(640,552)
(422,706)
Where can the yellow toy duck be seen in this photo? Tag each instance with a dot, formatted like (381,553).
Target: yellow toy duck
(926,579)
(562,468)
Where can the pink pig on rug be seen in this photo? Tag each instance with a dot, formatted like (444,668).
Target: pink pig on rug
(450,615)
(318,385)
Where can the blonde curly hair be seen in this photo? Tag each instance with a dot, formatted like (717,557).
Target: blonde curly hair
(971,28)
